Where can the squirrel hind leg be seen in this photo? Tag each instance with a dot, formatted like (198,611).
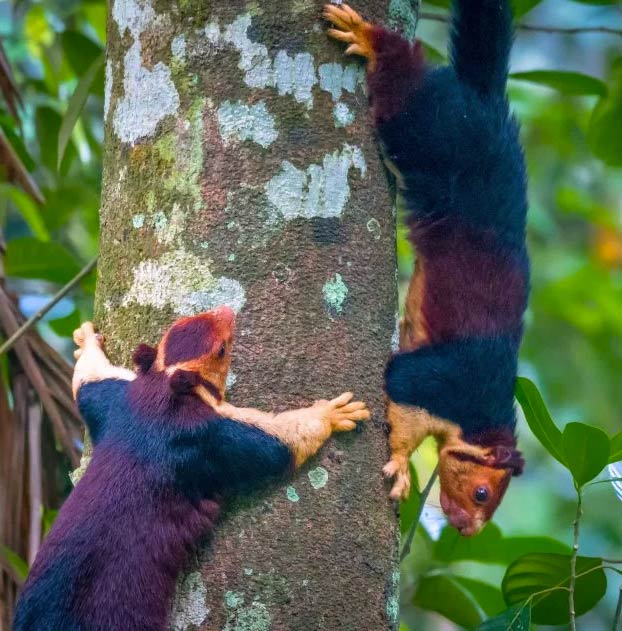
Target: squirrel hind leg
(352,29)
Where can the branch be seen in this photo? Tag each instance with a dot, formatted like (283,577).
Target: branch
(34,480)
(573,563)
(573,30)
(28,362)
(618,613)
(423,496)
(37,316)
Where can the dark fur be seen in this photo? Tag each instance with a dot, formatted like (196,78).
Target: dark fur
(188,340)
(162,463)
(457,150)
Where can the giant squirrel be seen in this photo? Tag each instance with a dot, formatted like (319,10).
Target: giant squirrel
(167,451)
(448,138)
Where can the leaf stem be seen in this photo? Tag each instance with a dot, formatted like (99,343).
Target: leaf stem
(423,496)
(573,562)
(618,613)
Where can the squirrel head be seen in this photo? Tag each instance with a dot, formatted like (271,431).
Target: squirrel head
(194,351)
(474,479)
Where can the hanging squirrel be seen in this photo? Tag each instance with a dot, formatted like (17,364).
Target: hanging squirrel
(449,139)
(167,451)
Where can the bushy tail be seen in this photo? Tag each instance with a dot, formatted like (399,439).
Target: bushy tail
(480,43)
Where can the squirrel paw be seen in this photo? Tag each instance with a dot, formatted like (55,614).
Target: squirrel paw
(397,468)
(342,413)
(85,336)
(352,29)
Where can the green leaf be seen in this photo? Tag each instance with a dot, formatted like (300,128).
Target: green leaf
(615,447)
(605,127)
(30,258)
(520,7)
(536,573)
(20,567)
(48,517)
(28,209)
(512,619)
(409,508)
(17,143)
(488,597)
(586,451)
(432,54)
(489,546)
(439,3)
(444,595)
(81,51)
(571,83)
(538,418)
(76,104)
(65,326)
(47,123)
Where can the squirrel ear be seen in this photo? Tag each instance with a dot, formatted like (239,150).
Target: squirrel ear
(511,458)
(183,381)
(503,454)
(144,356)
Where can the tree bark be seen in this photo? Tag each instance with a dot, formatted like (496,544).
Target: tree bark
(240,168)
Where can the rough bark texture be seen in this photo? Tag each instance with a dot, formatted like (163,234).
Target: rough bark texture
(240,168)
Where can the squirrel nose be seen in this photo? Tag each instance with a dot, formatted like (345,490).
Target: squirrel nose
(457,516)
(224,313)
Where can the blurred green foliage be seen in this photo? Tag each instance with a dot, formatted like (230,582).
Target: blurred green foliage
(572,132)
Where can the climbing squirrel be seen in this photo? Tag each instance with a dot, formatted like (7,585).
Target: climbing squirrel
(168,449)
(448,138)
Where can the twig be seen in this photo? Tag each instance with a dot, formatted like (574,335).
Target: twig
(416,5)
(10,570)
(564,30)
(618,613)
(573,563)
(34,481)
(423,496)
(37,316)
(36,379)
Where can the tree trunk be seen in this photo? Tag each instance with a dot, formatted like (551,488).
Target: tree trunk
(240,168)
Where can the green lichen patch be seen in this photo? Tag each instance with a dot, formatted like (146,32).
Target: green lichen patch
(255,617)
(335,292)
(318,477)
(182,282)
(393,603)
(189,607)
(233,599)
(373,226)
(403,15)
(291,494)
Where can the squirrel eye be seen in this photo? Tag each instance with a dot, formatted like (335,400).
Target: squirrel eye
(481,495)
(222,350)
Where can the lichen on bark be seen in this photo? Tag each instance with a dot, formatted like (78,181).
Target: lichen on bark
(197,209)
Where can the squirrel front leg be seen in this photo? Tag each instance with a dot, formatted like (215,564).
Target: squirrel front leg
(92,363)
(304,430)
(409,428)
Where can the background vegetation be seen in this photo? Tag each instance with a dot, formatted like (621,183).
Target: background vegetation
(567,93)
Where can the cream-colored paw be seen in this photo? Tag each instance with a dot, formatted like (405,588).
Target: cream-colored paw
(397,469)
(342,413)
(85,336)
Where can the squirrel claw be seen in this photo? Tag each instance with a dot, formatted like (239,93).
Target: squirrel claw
(398,470)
